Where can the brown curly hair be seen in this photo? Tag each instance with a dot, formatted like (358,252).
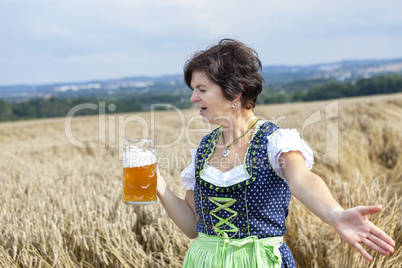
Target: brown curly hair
(231,65)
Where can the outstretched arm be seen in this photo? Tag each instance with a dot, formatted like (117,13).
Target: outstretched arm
(351,224)
(181,211)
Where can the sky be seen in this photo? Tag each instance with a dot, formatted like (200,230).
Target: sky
(67,41)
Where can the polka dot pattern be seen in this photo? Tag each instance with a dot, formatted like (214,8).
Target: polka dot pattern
(261,201)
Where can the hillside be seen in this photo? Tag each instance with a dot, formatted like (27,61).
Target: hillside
(61,184)
(279,77)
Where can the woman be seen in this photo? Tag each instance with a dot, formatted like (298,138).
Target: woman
(243,173)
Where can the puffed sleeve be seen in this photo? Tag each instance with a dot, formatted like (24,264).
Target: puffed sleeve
(188,174)
(285,140)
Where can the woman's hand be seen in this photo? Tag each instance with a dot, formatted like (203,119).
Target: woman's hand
(181,211)
(353,226)
(161,183)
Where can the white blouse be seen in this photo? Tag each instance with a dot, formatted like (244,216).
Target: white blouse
(281,141)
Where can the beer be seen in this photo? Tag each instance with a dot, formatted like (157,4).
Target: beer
(139,172)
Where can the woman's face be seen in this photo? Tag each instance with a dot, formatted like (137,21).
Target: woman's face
(208,96)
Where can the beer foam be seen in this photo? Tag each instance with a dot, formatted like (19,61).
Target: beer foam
(138,157)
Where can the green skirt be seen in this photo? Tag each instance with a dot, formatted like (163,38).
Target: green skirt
(213,251)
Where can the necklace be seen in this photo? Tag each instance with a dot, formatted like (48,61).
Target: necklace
(226,152)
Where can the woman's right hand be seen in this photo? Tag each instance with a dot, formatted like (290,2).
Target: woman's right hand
(161,183)
(181,211)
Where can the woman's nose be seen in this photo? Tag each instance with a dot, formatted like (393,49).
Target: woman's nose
(194,97)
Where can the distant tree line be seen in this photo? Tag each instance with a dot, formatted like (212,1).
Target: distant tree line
(332,90)
(54,107)
(292,92)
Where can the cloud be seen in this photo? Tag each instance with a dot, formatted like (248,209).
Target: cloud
(42,30)
(120,38)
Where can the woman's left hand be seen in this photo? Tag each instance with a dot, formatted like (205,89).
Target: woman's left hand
(353,226)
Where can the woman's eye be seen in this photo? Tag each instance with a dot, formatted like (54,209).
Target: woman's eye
(202,90)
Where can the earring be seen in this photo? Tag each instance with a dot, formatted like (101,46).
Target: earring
(234,105)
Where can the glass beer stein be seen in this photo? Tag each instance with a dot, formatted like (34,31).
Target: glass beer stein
(139,171)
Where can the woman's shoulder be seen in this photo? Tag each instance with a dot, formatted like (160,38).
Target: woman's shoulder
(267,128)
(277,135)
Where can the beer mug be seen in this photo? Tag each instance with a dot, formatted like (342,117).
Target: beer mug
(139,171)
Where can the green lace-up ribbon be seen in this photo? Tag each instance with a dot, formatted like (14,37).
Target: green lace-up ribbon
(224,203)
(266,251)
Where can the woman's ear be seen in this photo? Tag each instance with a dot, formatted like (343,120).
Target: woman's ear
(237,97)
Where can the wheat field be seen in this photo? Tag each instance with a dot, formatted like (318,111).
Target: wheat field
(61,183)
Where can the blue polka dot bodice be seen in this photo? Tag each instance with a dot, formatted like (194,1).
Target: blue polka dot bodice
(257,206)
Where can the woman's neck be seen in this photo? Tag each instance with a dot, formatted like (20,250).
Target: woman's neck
(236,126)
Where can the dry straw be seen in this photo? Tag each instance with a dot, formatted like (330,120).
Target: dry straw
(61,205)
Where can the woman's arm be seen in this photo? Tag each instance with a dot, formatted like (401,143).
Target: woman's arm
(181,211)
(351,224)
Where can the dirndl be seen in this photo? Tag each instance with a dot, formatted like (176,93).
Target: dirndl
(250,252)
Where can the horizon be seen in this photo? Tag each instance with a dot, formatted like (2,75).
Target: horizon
(177,74)
(48,42)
